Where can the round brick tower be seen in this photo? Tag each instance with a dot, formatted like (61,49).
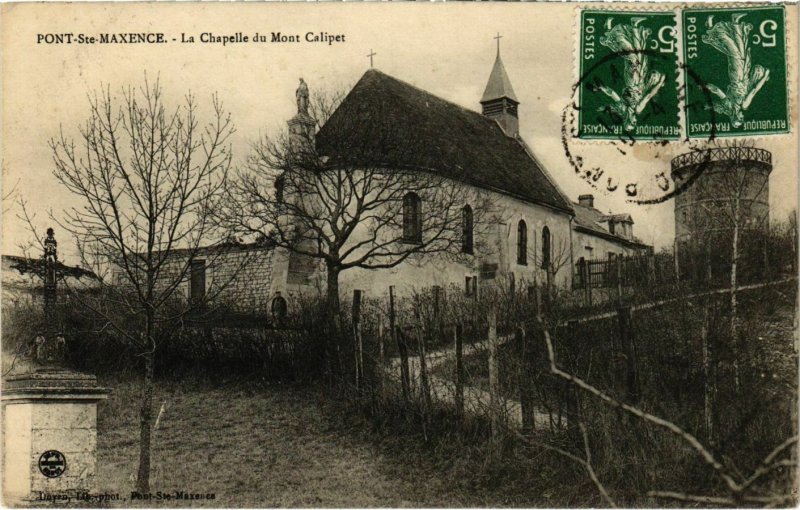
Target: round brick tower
(724,190)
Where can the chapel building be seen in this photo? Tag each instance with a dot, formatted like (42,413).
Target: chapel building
(543,234)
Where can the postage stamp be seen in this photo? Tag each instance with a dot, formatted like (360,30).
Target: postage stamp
(735,59)
(628,68)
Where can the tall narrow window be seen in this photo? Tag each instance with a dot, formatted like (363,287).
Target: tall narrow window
(471,289)
(466,226)
(280,184)
(545,248)
(522,243)
(412,218)
(197,281)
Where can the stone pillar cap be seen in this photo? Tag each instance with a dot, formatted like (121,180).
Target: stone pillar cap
(52,384)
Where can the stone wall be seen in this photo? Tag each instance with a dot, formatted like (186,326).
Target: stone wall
(243,280)
(495,256)
(240,279)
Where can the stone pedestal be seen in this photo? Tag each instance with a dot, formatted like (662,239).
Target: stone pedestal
(47,411)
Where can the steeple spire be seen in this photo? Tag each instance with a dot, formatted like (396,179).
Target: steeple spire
(499,100)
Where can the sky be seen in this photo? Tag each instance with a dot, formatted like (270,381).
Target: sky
(446,49)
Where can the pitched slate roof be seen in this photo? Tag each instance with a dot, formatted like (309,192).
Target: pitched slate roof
(498,85)
(589,219)
(412,128)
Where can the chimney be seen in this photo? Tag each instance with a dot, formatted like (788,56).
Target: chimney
(586,200)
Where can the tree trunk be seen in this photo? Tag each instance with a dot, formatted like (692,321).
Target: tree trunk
(332,347)
(734,332)
(146,411)
(708,383)
(494,377)
(332,290)
(424,382)
(525,375)
(458,333)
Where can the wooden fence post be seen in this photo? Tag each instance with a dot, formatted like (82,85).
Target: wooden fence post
(358,344)
(458,333)
(494,380)
(629,349)
(573,408)
(381,357)
(587,282)
(381,346)
(437,313)
(401,347)
(525,380)
(423,368)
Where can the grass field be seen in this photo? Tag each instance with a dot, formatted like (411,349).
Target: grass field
(252,444)
(270,447)
(284,446)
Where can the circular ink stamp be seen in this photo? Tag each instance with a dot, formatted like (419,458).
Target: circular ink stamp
(52,464)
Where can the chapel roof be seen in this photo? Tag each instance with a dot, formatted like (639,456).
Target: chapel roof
(498,85)
(412,128)
(591,220)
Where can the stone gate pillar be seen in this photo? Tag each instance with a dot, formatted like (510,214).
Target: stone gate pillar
(50,434)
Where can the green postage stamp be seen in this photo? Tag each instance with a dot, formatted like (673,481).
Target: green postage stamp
(735,63)
(628,68)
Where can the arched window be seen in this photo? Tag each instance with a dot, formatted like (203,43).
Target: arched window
(545,248)
(280,309)
(466,228)
(522,243)
(412,218)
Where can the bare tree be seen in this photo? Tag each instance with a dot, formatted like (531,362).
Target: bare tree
(146,179)
(354,199)
(10,196)
(551,256)
(741,489)
(731,198)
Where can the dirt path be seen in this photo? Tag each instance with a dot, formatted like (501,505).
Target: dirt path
(259,448)
(477,401)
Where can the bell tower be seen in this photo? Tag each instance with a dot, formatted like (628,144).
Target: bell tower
(499,101)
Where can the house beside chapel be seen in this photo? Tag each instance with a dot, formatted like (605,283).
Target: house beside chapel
(542,235)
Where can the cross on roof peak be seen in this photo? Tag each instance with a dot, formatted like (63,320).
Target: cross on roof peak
(497,38)
(370,55)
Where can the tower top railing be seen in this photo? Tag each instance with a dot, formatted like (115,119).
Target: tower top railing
(721,154)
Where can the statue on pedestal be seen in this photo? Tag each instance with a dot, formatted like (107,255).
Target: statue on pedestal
(302,98)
